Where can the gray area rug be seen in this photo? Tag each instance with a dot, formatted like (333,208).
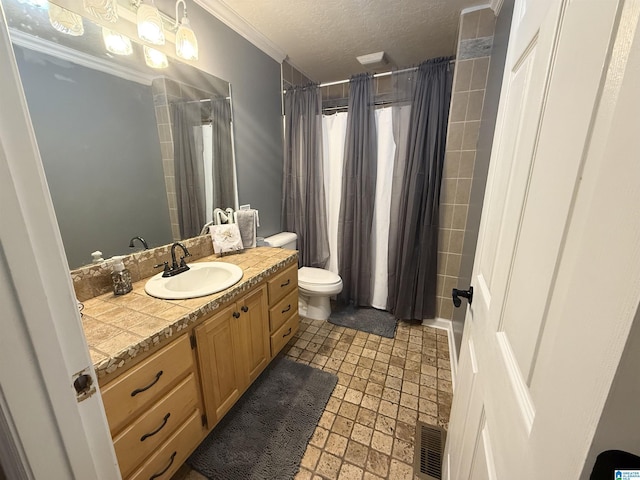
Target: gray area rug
(265,434)
(370,320)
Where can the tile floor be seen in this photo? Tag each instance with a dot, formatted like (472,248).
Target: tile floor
(384,386)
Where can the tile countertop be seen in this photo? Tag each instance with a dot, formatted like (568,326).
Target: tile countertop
(118,328)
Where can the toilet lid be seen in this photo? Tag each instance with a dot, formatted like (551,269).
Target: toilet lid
(317,276)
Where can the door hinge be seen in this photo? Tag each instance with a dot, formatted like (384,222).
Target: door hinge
(84,384)
(192,339)
(204,420)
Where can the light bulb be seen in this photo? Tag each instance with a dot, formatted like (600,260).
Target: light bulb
(116,43)
(155,59)
(186,42)
(150,27)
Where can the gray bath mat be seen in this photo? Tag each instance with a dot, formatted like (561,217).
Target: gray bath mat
(265,434)
(370,320)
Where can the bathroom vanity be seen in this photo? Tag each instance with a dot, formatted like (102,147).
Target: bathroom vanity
(169,370)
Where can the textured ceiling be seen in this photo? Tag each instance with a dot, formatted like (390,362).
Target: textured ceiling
(323,37)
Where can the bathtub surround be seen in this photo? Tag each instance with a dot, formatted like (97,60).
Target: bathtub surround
(466,113)
(303,196)
(358,194)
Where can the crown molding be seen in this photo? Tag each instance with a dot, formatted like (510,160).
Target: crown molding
(38,44)
(496,5)
(234,21)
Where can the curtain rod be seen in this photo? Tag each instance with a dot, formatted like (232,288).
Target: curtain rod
(383,74)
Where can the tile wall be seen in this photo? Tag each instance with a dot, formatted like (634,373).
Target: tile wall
(469,85)
(166,91)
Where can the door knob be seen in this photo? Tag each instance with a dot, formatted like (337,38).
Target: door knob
(456,294)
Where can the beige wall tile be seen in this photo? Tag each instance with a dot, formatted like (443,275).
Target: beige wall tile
(453,265)
(486,23)
(448,191)
(463,191)
(479,73)
(464,72)
(459,220)
(467,160)
(451,165)
(455,136)
(443,238)
(456,240)
(474,108)
(459,103)
(446,216)
(469,25)
(470,136)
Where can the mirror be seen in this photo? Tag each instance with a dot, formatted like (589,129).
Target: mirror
(127,150)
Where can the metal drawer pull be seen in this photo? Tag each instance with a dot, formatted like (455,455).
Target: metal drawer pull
(151,434)
(236,315)
(140,390)
(288,333)
(244,308)
(159,474)
(285,283)
(287,309)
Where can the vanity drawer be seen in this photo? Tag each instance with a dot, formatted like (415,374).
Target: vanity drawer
(168,458)
(139,387)
(152,428)
(282,284)
(283,310)
(285,333)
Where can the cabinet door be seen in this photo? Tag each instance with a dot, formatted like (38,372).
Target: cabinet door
(254,320)
(223,380)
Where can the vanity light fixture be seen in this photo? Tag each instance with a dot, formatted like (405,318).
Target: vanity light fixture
(149,22)
(186,42)
(65,21)
(105,10)
(116,43)
(155,59)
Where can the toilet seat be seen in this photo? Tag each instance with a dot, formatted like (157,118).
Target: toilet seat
(319,281)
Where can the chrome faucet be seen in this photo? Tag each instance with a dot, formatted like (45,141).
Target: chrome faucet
(142,240)
(175,268)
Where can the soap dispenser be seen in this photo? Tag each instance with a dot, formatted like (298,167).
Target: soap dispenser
(121,277)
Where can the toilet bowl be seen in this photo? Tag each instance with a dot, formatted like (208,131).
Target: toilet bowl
(316,286)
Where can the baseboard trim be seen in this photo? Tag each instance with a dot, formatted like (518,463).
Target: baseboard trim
(447,325)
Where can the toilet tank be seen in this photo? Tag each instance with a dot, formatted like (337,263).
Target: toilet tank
(286,240)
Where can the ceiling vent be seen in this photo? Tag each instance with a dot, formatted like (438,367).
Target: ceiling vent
(376,59)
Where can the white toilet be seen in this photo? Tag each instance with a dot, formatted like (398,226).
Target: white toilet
(315,285)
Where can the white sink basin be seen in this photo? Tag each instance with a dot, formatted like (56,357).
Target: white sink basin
(201,279)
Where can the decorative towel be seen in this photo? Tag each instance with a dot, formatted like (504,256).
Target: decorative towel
(248,222)
(226,238)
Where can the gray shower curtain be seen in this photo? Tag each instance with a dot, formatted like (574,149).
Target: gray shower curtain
(222,154)
(303,201)
(413,233)
(188,168)
(358,194)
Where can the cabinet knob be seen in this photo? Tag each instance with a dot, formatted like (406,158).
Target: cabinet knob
(236,315)
(244,308)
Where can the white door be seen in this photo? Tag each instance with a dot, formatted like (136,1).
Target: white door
(556,277)
(44,431)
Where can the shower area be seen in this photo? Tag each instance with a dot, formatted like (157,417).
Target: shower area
(470,121)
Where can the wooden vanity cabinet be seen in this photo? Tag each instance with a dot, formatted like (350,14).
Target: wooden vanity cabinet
(153,410)
(233,349)
(283,308)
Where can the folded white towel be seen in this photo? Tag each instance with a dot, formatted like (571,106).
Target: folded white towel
(248,222)
(226,238)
